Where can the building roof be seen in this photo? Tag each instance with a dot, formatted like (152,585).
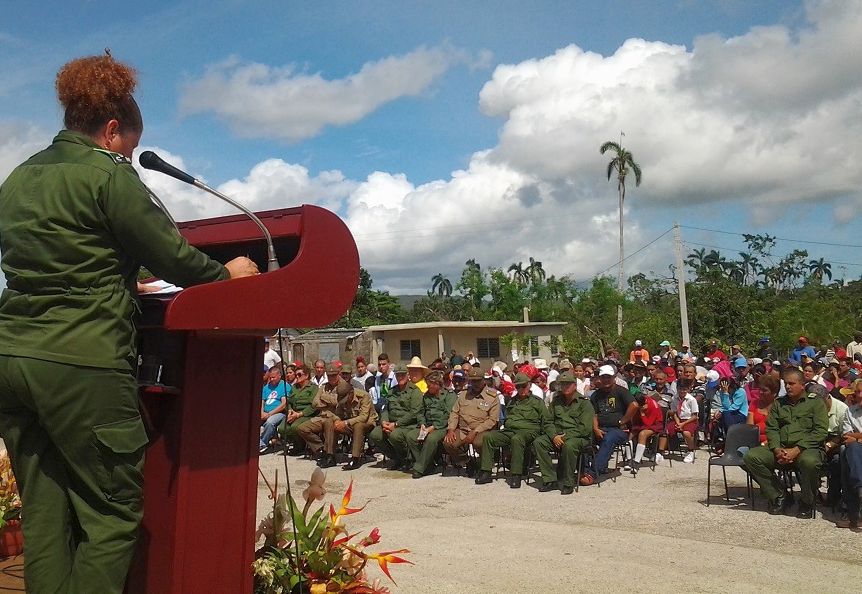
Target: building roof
(450,324)
(329,334)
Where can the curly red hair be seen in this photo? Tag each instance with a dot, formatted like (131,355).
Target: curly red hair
(96,89)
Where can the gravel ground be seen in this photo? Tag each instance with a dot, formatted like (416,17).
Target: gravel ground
(649,533)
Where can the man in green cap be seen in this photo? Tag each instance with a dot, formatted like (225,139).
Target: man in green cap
(299,401)
(424,441)
(795,430)
(526,419)
(570,432)
(398,417)
(476,412)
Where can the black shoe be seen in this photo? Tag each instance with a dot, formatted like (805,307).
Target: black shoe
(395,465)
(353,464)
(407,466)
(514,482)
(777,507)
(547,487)
(327,461)
(417,475)
(567,490)
(805,511)
(483,478)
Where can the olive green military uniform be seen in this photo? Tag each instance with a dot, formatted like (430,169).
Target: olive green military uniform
(326,402)
(301,400)
(788,425)
(434,412)
(402,408)
(472,412)
(76,224)
(574,421)
(359,418)
(526,419)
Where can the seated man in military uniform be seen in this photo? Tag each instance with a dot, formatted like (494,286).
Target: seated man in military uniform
(476,411)
(357,418)
(330,397)
(570,432)
(526,419)
(300,408)
(424,441)
(795,430)
(400,414)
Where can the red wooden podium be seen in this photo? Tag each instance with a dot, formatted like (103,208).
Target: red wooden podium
(202,355)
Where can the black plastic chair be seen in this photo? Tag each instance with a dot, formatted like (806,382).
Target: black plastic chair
(738,436)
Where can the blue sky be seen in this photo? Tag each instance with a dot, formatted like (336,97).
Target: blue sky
(443,131)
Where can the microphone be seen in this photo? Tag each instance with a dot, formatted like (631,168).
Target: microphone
(150,160)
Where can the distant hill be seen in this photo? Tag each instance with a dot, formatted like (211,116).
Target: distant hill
(407,301)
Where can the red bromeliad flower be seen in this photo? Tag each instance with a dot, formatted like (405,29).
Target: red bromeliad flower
(383,559)
(371,539)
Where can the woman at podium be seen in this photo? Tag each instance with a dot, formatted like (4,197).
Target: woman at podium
(76,224)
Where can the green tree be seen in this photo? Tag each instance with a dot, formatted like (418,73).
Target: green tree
(623,163)
(441,285)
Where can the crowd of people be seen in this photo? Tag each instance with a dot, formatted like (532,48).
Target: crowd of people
(571,416)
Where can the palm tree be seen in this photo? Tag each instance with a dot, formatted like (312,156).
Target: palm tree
(696,260)
(623,162)
(819,269)
(750,265)
(519,273)
(535,272)
(441,285)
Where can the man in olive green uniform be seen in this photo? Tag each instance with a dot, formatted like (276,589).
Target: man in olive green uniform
(795,430)
(359,417)
(330,397)
(76,224)
(526,419)
(400,414)
(475,412)
(301,409)
(570,431)
(433,416)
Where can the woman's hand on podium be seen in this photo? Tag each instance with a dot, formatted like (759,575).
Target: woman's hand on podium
(240,267)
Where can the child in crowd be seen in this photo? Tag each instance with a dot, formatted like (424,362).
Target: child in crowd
(648,421)
(683,419)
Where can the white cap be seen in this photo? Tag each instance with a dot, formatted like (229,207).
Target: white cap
(638,343)
(712,375)
(756,361)
(606,370)
(656,358)
(540,364)
(586,360)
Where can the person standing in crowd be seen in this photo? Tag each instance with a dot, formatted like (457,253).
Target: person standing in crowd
(270,357)
(802,349)
(76,225)
(638,353)
(384,382)
(319,377)
(715,353)
(854,348)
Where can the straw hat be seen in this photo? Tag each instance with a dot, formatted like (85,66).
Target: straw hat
(416,363)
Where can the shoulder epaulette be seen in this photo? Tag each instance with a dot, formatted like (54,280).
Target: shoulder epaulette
(115,157)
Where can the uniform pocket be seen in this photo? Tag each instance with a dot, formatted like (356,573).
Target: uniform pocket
(121,448)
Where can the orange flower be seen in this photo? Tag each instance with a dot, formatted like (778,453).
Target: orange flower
(388,557)
(334,516)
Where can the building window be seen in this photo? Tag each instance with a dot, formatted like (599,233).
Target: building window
(488,348)
(554,344)
(410,349)
(534,346)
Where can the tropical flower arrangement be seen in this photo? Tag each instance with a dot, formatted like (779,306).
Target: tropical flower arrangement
(10,502)
(316,554)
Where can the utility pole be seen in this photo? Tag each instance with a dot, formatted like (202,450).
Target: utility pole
(680,279)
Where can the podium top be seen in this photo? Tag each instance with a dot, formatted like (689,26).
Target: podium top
(315,285)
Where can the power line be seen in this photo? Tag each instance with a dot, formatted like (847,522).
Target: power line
(811,241)
(718,247)
(635,253)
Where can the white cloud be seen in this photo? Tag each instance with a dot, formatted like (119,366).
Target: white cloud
(18,141)
(257,100)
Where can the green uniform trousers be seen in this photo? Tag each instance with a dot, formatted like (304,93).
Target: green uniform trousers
(77,444)
(424,452)
(392,444)
(567,465)
(760,462)
(516,441)
(290,431)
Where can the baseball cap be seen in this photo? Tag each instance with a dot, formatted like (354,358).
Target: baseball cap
(638,343)
(522,379)
(606,370)
(664,343)
(458,375)
(740,362)
(763,339)
(401,368)
(712,378)
(567,377)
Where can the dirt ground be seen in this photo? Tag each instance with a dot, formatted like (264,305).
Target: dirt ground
(652,532)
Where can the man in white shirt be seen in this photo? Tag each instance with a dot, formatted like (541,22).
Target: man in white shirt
(855,348)
(362,374)
(270,357)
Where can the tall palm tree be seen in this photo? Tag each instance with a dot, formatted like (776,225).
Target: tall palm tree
(441,285)
(535,272)
(750,265)
(819,269)
(696,260)
(519,273)
(622,163)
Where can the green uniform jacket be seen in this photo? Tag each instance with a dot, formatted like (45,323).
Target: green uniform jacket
(574,418)
(803,424)
(403,406)
(436,409)
(528,414)
(301,400)
(76,224)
